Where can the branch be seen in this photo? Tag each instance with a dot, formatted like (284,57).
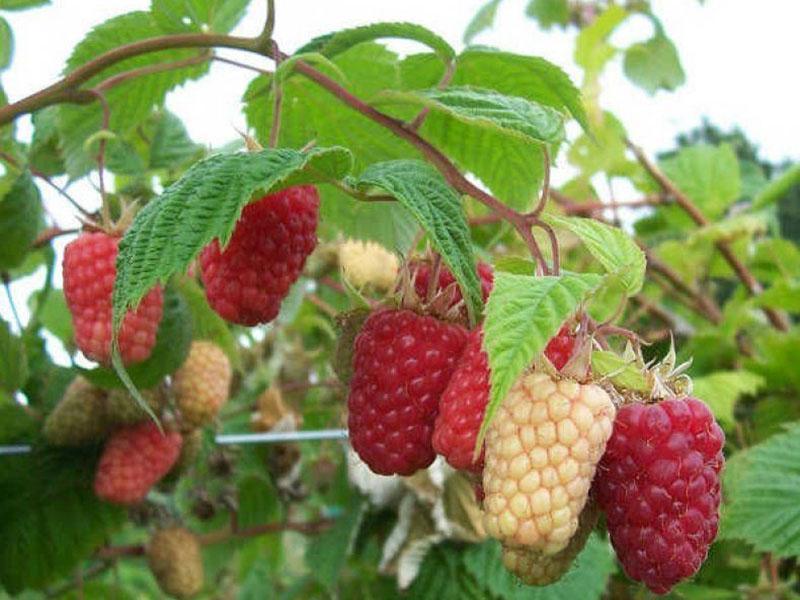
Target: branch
(777,319)
(49,234)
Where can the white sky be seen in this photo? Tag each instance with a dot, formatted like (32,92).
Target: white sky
(737,54)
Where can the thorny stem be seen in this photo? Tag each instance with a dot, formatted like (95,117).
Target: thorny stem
(776,319)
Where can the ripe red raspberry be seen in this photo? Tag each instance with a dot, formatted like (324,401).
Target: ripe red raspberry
(89,273)
(134,460)
(246,282)
(402,362)
(462,406)
(423,274)
(659,485)
(559,348)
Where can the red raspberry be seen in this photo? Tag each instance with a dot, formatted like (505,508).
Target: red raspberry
(402,362)
(462,406)
(246,282)
(423,274)
(559,348)
(134,460)
(659,485)
(89,273)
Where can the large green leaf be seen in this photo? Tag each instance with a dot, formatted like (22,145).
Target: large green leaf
(654,65)
(425,193)
(44,154)
(784,295)
(335,43)
(198,15)
(483,20)
(763,495)
(49,510)
(522,314)
(443,576)
(6,44)
(131,102)
(203,205)
(709,175)
(549,12)
(20,220)
(510,115)
(722,389)
(328,552)
(612,247)
(13,360)
(585,580)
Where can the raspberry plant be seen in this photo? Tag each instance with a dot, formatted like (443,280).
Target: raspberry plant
(384,248)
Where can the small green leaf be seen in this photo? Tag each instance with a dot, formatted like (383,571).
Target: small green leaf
(20,220)
(483,20)
(219,16)
(522,315)
(592,50)
(425,193)
(783,295)
(335,43)
(654,65)
(763,495)
(328,552)
(171,146)
(510,115)
(6,44)
(777,188)
(21,4)
(203,205)
(442,576)
(13,360)
(722,389)
(549,12)
(612,247)
(44,154)
(623,373)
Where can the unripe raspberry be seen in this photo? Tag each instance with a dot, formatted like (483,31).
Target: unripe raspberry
(89,274)
(202,382)
(79,417)
(422,274)
(659,486)
(176,562)
(123,409)
(542,449)
(533,567)
(368,263)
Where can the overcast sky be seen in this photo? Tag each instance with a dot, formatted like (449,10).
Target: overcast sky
(738,56)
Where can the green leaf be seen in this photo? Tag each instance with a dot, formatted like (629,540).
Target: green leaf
(515,264)
(763,499)
(709,175)
(203,205)
(21,4)
(510,115)
(654,65)
(777,188)
(207,324)
(424,192)
(172,346)
(258,502)
(48,507)
(388,223)
(219,16)
(171,146)
(6,44)
(483,20)
(592,50)
(335,43)
(783,295)
(131,102)
(722,389)
(20,220)
(44,154)
(522,315)
(612,247)
(549,12)
(585,580)
(442,576)
(328,552)
(54,314)
(13,360)
(622,372)
(774,358)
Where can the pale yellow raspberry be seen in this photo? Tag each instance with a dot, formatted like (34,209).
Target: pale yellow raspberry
(201,384)
(368,263)
(176,562)
(542,450)
(533,567)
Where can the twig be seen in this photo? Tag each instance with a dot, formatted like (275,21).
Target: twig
(322,305)
(49,234)
(752,285)
(119,78)
(241,65)
(589,208)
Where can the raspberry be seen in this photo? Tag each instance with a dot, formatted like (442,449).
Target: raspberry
(133,460)
(201,384)
(446,279)
(368,264)
(246,282)
(559,348)
(402,362)
(176,562)
(89,273)
(466,396)
(462,406)
(79,417)
(536,568)
(541,452)
(123,409)
(659,485)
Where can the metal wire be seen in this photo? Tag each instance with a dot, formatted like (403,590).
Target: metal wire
(9,450)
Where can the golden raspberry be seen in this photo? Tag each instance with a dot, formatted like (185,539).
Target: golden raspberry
(533,567)
(79,417)
(201,384)
(542,449)
(368,263)
(176,562)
